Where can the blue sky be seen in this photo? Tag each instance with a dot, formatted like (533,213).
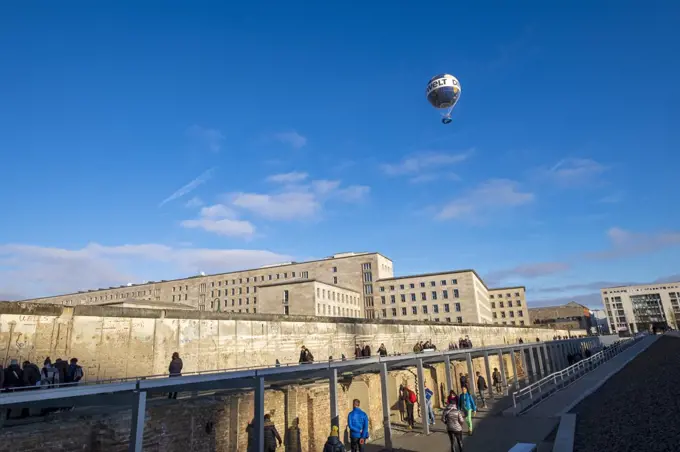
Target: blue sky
(141,143)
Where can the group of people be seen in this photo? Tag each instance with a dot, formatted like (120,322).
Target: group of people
(463,342)
(29,376)
(422,346)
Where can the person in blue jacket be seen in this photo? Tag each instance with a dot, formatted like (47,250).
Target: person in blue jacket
(466,404)
(357,422)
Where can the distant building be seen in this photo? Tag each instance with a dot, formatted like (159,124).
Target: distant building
(600,320)
(570,316)
(356,285)
(632,309)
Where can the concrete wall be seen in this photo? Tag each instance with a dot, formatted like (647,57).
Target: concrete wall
(119,342)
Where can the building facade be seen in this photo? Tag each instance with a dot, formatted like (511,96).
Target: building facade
(456,296)
(569,316)
(509,305)
(633,309)
(355,285)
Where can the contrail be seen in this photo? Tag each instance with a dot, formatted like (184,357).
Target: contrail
(188,188)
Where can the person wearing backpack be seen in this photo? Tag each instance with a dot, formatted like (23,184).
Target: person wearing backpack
(74,372)
(49,376)
(410,399)
(334,444)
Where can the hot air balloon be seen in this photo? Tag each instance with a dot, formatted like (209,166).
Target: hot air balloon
(442,92)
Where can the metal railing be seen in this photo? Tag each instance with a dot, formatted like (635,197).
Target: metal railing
(534,393)
(256,369)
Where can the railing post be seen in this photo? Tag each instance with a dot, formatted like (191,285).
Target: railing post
(138,420)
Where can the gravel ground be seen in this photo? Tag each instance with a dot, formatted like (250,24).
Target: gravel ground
(638,409)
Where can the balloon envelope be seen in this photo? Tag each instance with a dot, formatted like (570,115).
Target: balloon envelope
(443,91)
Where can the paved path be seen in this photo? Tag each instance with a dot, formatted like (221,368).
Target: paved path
(492,432)
(563,400)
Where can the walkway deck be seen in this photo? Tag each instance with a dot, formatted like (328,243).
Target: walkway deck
(495,432)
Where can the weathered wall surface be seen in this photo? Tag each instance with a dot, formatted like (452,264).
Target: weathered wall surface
(218,423)
(119,342)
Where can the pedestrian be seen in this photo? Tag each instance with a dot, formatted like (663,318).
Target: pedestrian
(521,341)
(481,387)
(496,377)
(401,404)
(366,352)
(452,398)
(272,439)
(467,405)
(428,404)
(175,370)
(409,400)
(31,374)
(14,380)
(306,356)
(463,381)
(334,444)
(357,351)
(74,373)
(382,351)
(62,366)
(454,420)
(49,376)
(357,423)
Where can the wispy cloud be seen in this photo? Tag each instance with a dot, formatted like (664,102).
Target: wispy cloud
(424,163)
(282,206)
(610,199)
(188,188)
(29,270)
(194,202)
(221,220)
(297,202)
(288,178)
(210,138)
(490,196)
(292,138)
(573,172)
(528,271)
(626,244)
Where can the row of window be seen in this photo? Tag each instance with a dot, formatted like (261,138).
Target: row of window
(500,295)
(403,313)
(512,322)
(510,314)
(501,304)
(422,284)
(215,305)
(425,309)
(336,296)
(423,296)
(249,279)
(323,309)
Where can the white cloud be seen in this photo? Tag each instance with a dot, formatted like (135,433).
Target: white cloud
(353,193)
(490,196)
(281,206)
(225,226)
(423,162)
(323,186)
(293,139)
(294,202)
(288,178)
(221,220)
(210,138)
(625,243)
(217,211)
(191,186)
(574,172)
(194,202)
(527,271)
(31,271)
